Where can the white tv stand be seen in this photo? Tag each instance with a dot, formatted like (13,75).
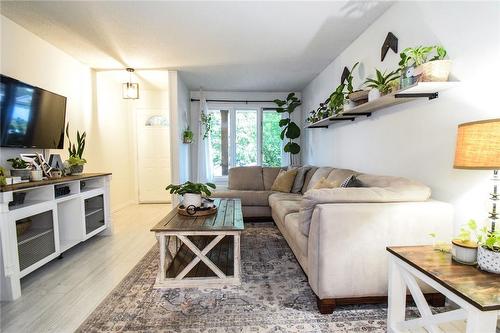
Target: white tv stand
(52,223)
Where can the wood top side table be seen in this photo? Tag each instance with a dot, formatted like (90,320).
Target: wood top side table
(200,251)
(476,292)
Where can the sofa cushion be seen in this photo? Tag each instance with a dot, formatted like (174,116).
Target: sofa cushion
(246,178)
(339,175)
(279,196)
(292,226)
(307,178)
(320,173)
(284,181)
(248,198)
(299,179)
(269,174)
(283,208)
(325,183)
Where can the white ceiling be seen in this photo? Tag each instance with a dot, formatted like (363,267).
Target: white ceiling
(236,46)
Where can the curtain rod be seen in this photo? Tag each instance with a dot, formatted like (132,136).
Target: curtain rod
(230,101)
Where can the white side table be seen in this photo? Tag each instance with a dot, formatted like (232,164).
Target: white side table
(476,292)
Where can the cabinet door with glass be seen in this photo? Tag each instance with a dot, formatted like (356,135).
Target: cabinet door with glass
(95,217)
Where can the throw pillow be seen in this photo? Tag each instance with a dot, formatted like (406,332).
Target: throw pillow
(284,181)
(299,179)
(351,181)
(325,183)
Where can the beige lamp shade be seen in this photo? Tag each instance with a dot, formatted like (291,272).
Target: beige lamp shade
(478,145)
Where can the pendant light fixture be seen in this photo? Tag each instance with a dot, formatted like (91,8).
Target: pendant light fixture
(130,90)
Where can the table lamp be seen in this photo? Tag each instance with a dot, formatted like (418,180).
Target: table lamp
(478,148)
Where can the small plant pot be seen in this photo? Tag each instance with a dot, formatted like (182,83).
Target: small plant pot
(76,170)
(488,260)
(373,94)
(187,140)
(360,96)
(191,199)
(464,252)
(436,71)
(36,175)
(23,173)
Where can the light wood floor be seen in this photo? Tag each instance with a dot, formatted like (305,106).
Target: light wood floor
(59,296)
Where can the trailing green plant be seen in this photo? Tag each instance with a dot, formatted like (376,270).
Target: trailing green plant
(336,99)
(350,78)
(470,232)
(416,56)
(18,163)
(190,187)
(290,129)
(383,81)
(206,120)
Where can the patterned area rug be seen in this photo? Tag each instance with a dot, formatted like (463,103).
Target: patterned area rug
(274,297)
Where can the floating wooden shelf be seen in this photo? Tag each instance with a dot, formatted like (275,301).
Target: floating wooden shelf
(419,90)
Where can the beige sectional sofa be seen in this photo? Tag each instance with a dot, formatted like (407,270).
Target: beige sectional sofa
(339,235)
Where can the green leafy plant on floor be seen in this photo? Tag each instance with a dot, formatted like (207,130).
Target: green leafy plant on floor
(190,187)
(384,82)
(76,151)
(290,129)
(18,163)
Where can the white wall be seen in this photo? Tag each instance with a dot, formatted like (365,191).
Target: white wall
(94,104)
(417,139)
(232,95)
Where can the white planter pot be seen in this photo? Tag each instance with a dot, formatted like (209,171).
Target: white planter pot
(463,254)
(488,260)
(373,94)
(36,175)
(191,199)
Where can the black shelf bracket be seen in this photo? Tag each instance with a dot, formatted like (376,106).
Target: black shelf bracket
(417,95)
(341,119)
(368,114)
(317,126)
(390,43)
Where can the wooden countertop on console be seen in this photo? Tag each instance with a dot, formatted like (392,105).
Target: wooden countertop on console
(23,186)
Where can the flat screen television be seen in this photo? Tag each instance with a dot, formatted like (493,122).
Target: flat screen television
(30,117)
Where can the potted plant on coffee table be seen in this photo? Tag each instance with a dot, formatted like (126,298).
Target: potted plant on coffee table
(76,160)
(20,168)
(191,192)
(464,247)
(488,255)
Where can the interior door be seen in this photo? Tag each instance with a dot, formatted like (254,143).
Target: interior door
(153,153)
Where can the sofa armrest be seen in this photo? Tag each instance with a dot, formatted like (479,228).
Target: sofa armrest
(347,242)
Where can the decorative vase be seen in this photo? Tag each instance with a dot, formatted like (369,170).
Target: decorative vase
(193,199)
(76,170)
(436,71)
(488,260)
(373,94)
(464,252)
(23,173)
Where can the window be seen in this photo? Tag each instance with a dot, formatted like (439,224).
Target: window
(243,137)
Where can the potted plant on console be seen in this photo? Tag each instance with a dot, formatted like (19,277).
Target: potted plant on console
(191,192)
(20,168)
(76,160)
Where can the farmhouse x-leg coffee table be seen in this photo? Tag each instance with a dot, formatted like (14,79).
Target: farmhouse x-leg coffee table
(200,251)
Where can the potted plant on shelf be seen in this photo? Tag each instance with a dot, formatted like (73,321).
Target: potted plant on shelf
(336,100)
(76,160)
(416,68)
(191,192)
(187,136)
(382,84)
(290,130)
(357,97)
(20,168)
(3,180)
(464,247)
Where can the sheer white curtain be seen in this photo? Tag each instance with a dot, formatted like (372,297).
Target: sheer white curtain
(205,172)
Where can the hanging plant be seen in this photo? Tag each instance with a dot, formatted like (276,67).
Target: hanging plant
(290,130)
(206,120)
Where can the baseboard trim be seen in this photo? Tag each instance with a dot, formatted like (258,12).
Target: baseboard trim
(328,305)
